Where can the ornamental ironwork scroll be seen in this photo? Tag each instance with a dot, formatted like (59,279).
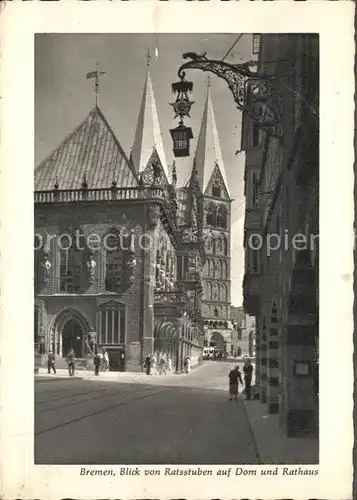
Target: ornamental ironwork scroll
(252,91)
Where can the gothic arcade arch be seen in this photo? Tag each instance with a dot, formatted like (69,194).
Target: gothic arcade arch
(165,336)
(80,324)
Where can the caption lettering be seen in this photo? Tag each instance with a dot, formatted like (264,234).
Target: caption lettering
(177,471)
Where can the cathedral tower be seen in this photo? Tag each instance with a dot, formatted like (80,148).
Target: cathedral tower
(148,145)
(216,219)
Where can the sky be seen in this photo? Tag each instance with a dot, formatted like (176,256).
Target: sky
(63,98)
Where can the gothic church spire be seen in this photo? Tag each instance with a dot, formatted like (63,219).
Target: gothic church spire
(148,135)
(208,152)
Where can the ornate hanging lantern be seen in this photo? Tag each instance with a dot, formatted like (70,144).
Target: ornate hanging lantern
(182,135)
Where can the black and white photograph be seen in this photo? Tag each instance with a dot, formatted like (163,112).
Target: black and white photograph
(176,249)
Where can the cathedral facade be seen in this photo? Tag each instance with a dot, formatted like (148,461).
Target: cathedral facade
(216,308)
(124,258)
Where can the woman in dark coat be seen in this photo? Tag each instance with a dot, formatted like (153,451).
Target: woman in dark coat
(234,378)
(147,364)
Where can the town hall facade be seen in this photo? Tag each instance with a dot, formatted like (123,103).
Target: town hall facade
(124,257)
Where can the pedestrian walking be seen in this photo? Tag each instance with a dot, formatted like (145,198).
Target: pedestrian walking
(71,362)
(101,359)
(162,365)
(51,362)
(147,364)
(234,378)
(106,361)
(188,365)
(248,373)
(97,362)
(153,370)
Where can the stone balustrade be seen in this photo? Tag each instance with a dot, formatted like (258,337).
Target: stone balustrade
(110,194)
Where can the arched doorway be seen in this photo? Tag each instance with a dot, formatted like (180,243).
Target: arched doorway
(69,331)
(217,341)
(73,337)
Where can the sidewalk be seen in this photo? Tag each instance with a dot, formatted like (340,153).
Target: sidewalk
(111,376)
(89,374)
(273,446)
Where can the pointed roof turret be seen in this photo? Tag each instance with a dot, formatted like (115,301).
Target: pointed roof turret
(208,152)
(148,135)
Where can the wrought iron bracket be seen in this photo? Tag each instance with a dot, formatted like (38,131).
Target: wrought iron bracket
(252,91)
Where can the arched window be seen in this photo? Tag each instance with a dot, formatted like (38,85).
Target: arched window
(215,293)
(114,246)
(71,261)
(216,312)
(216,190)
(211,215)
(222,217)
(209,244)
(209,291)
(223,293)
(208,267)
(111,324)
(218,269)
(224,270)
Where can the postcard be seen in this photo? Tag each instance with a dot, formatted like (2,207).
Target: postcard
(177,250)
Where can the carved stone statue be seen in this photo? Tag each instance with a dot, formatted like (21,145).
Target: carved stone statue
(46,265)
(91,267)
(131,262)
(92,338)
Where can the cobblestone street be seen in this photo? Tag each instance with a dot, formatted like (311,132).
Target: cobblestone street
(128,418)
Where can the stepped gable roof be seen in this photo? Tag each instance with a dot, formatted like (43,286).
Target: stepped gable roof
(91,152)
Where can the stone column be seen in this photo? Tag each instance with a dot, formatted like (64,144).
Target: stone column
(273,364)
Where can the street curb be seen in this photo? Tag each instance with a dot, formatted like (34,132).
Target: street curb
(252,433)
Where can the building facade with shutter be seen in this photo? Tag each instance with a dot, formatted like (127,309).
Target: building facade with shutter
(281,233)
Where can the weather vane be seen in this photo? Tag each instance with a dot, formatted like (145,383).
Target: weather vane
(95,74)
